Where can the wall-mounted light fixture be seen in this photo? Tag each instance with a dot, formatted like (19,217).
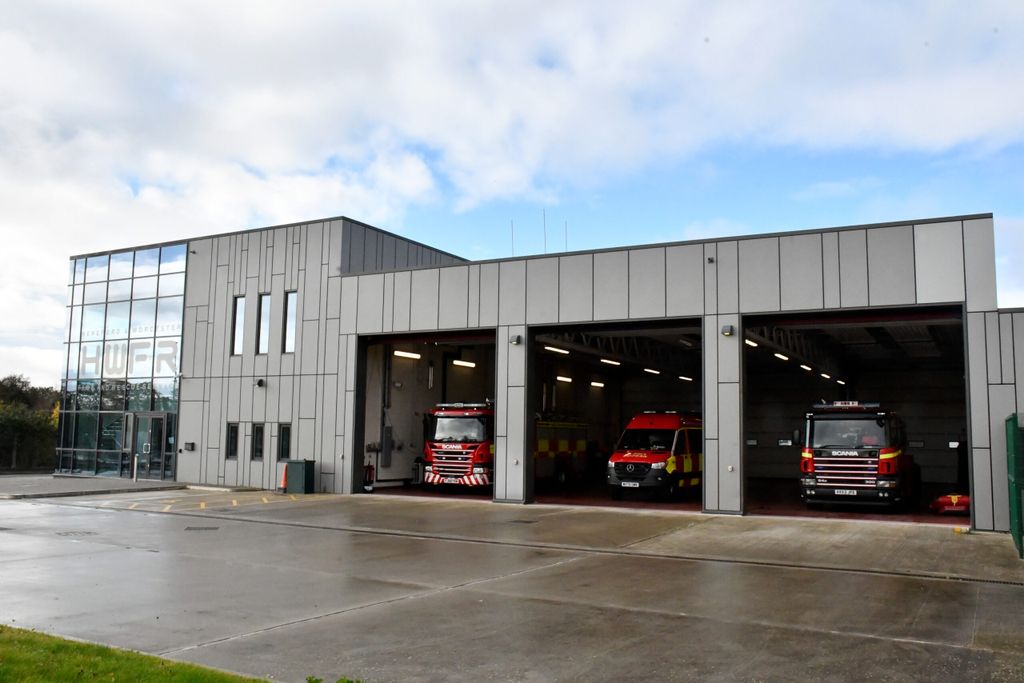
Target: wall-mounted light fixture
(464,363)
(408,354)
(728,330)
(515,339)
(260,383)
(711,259)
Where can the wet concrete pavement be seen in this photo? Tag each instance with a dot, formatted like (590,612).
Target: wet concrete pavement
(422,590)
(20,486)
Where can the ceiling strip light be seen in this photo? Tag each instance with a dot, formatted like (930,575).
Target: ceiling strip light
(839,381)
(552,348)
(464,363)
(599,385)
(750,342)
(560,378)
(808,368)
(610,362)
(685,378)
(407,354)
(826,375)
(653,372)
(781,356)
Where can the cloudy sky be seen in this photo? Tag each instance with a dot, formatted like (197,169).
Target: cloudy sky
(449,122)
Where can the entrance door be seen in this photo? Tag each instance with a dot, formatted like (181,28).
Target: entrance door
(148,445)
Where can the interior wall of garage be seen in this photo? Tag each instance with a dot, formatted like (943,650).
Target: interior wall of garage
(948,261)
(309,389)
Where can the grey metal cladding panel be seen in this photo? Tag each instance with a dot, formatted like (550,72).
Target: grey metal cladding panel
(515,463)
(891,278)
(354,237)
(710,278)
(199,352)
(710,374)
(370,310)
(541,285)
(647,283)
(333,297)
(853,268)
(730,444)
(330,359)
(474,297)
(402,254)
(403,293)
(423,299)
(512,292)
(389,302)
(388,258)
(307,396)
(255,255)
(188,343)
(1003,403)
(454,304)
(335,245)
(977,372)
(684,280)
(489,294)
(611,285)
(979,262)
(349,303)
(309,347)
(516,358)
(370,240)
(992,350)
(310,293)
(222,247)
(198,273)
(939,263)
(830,269)
(1006,347)
(728,277)
(981,489)
(576,288)
(280,251)
(1018,355)
(759,275)
(730,349)
(711,479)
(286,398)
(501,380)
(800,272)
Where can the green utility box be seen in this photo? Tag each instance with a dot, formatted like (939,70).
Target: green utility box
(300,476)
(1015,472)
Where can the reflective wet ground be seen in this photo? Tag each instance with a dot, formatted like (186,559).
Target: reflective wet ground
(404,589)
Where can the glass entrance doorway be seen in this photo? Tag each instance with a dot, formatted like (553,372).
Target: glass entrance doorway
(153,460)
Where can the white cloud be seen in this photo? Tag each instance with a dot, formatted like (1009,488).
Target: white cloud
(130,123)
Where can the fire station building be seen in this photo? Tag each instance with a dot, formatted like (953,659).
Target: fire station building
(220,359)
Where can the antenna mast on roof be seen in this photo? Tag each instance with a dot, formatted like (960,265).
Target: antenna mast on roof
(544,215)
(512,227)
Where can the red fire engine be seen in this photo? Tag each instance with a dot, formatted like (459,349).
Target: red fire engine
(459,448)
(855,452)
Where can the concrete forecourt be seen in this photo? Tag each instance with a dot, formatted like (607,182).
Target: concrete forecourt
(390,588)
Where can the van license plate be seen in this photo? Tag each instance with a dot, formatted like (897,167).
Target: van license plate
(846,492)
(631,484)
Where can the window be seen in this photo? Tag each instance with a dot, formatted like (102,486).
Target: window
(257,441)
(263,324)
(231,449)
(238,329)
(290,301)
(284,442)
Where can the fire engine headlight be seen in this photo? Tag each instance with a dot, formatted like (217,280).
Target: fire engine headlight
(479,470)
(886,484)
(611,465)
(428,468)
(658,466)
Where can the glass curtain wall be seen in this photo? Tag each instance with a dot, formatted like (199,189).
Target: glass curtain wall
(123,343)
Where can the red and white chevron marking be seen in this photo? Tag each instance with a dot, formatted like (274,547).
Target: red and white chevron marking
(465,480)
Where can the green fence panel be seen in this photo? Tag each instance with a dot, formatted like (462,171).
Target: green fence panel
(1015,475)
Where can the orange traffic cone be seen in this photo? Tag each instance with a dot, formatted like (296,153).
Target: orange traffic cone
(284,480)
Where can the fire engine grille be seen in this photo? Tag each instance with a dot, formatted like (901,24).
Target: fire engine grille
(846,469)
(453,463)
(631,470)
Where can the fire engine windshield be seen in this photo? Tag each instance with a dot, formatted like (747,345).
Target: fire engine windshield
(646,440)
(460,429)
(847,432)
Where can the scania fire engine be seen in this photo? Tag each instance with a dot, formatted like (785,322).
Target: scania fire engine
(459,448)
(855,452)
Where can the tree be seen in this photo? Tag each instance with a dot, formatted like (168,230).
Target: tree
(28,424)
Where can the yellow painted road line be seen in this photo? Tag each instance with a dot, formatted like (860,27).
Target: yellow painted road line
(167,508)
(265,499)
(133,506)
(234,503)
(202,505)
(293,497)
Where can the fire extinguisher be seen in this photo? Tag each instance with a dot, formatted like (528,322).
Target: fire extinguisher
(368,472)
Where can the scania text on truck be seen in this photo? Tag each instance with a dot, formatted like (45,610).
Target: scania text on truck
(660,451)
(855,452)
